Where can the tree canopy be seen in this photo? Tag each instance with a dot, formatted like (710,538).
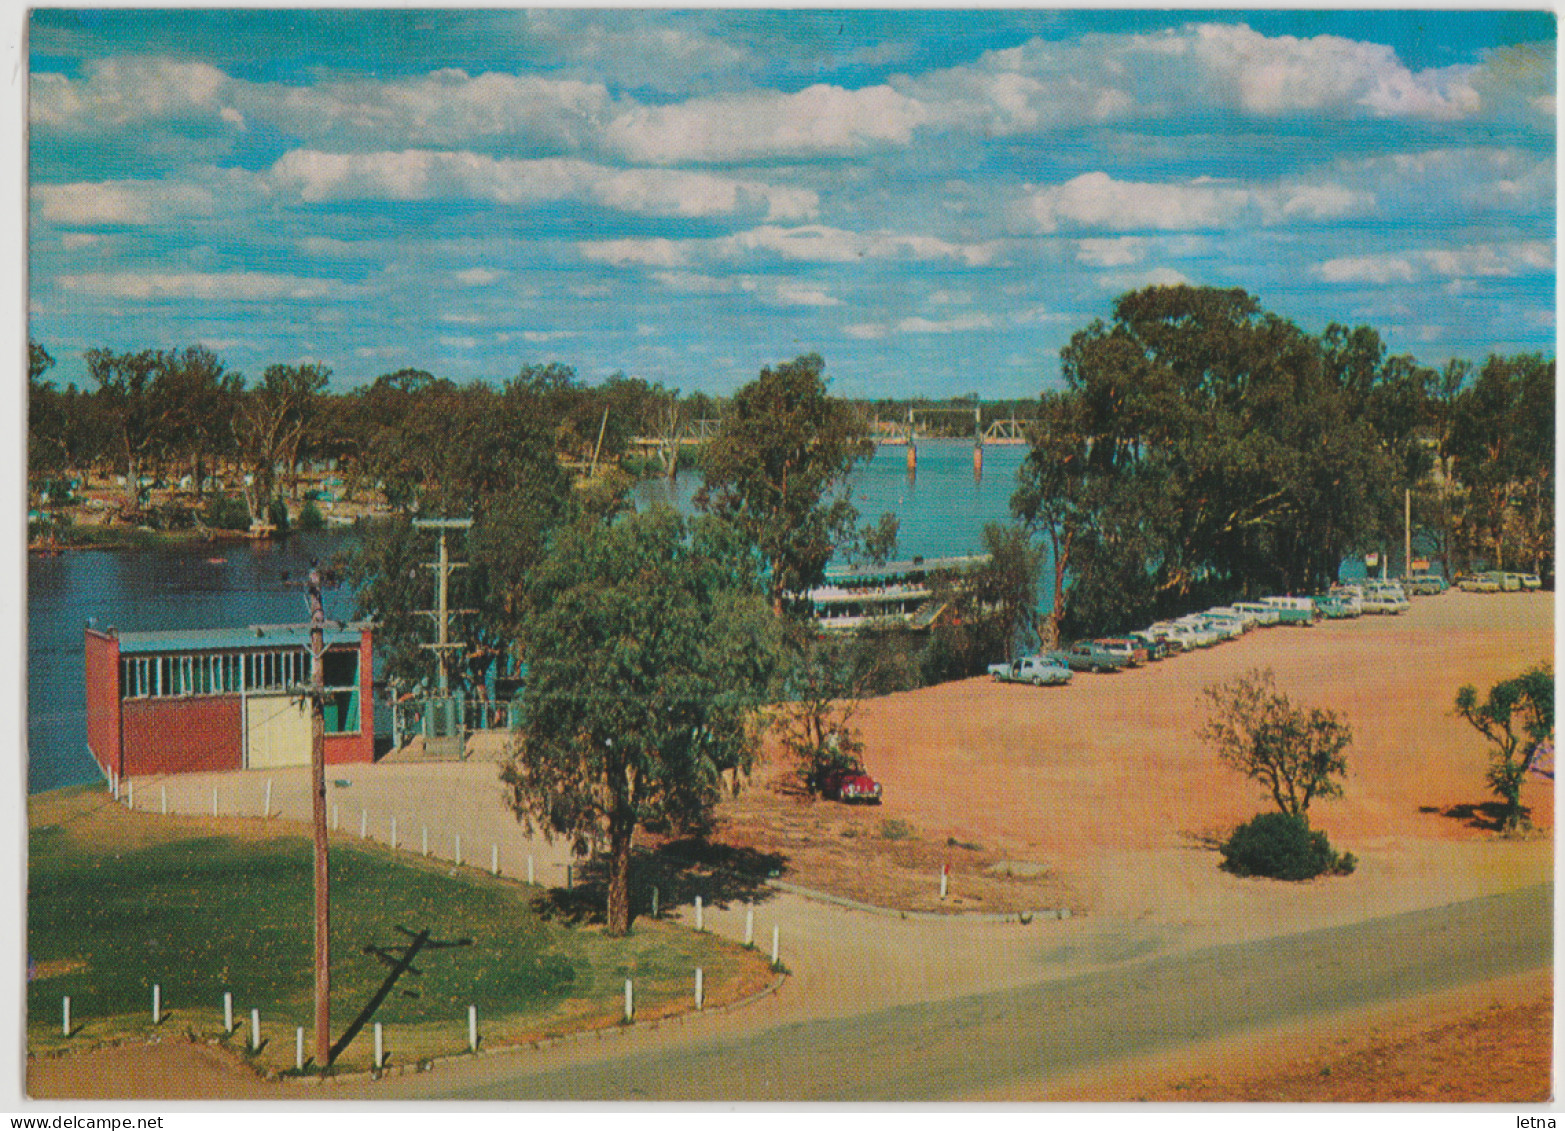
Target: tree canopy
(646,657)
(1517,717)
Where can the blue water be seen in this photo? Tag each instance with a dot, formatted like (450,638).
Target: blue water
(942,512)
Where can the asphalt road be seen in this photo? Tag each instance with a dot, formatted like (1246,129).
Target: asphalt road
(1024,1037)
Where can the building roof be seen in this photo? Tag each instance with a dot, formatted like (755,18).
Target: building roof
(253,637)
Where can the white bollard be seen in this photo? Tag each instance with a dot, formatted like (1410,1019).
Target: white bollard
(654,902)
(630,1002)
(336,816)
(165,799)
(494,859)
(472,1028)
(266,806)
(458,838)
(426,840)
(944,880)
(65,1015)
(228,1012)
(700,918)
(380,1047)
(214,801)
(364,823)
(255,1029)
(298,1048)
(157,1004)
(529,869)
(130,794)
(749,926)
(393,833)
(700,995)
(776,936)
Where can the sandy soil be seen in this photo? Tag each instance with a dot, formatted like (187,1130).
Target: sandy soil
(1097,796)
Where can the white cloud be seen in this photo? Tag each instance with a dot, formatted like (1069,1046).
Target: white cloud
(1504,260)
(1097,200)
(1111,253)
(237,286)
(422,174)
(120,202)
(961,324)
(1137,280)
(479,276)
(820,119)
(538,337)
(118,92)
(806,244)
(638,252)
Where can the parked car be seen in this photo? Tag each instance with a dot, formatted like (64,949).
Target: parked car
(850,785)
(1351,595)
(1383,597)
(1089,656)
(1265,615)
(1332,607)
(1156,648)
(1511,582)
(1040,671)
(1295,610)
(1247,621)
(1226,628)
(1135,653)
(1531,581)
(1424,584)
(1480,583)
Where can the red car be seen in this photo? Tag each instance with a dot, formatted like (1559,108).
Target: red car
(848,785)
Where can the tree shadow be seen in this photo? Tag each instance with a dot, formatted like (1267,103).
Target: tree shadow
(1486,815)
(677,871)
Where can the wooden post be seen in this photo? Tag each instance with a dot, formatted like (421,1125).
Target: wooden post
(630,1001)
(157,1004)
(318,821)
(776,937)
(472,1028)
(298,1048)
(165,800)
(700,996)
(336,816)
(494,859)
(700,918)
(749,926)
(130,794)
(567,877)
(266,806)
(458,849)
(944,879)
(654,901)
(255,1029)
(529,868)
(380,1047)
(228,1012)
(425,843)
(214,801)
(393,833)
(364,823)
(65,1015)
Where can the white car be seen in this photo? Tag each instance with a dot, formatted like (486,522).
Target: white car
(1265,615)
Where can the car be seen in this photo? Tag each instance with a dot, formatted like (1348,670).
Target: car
(1040,671)
(1135,652)
(1511,582)
(850,785)
(1265,615)
(1424,584)
(1089,656)
(1480,583)
(1294,610)
(1247,621)
(1531,581)
(1156,647)
(1333,607)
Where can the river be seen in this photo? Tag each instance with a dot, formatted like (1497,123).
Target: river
(225,585)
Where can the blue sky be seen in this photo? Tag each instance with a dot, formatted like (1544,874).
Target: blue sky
(933,201)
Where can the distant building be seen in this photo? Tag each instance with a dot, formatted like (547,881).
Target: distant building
(224,699)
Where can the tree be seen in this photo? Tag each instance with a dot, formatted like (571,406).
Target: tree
(136,412)
(1517,716)
(644,666)
(204,397)
(997,602)
(1295,752)
(271,425)
(777,470)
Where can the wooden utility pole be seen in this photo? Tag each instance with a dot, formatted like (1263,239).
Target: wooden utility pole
(318,821)
(442,611)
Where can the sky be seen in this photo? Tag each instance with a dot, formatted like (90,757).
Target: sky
(934,202)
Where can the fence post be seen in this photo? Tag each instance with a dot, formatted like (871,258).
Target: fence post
(776,936)
(364,823)
(529,868)
(654,901)
(749,925)
(214,801)
(700,996)
(336,816)
(630,1002)
(472,1028)
(165,799)
(65,1015)
(157,1003)
(700,916)
(380,1048)
(130,794)
(298,1048)
(944,879)
(266,806)
(567,877)
(494,859)
(426,840)
(228,1013)
(393,833)
(458,837)
(255,1029)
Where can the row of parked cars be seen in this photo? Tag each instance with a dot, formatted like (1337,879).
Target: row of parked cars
(1212,627)
(1496,581)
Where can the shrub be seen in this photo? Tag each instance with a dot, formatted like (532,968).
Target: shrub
(310,517)
(895,828)
(277,515)
(225,512)
(1281,846)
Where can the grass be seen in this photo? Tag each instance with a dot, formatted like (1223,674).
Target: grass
(120,901)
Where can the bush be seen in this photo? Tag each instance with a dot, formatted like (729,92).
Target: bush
(895,828)
(1281,846)
(277,515)
(224,512)
(310,517)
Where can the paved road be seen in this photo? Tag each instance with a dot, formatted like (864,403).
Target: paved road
(1023,1037)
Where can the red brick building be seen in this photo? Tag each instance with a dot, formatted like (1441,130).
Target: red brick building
(227,699)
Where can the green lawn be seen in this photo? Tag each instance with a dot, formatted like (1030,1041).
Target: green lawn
(120,901)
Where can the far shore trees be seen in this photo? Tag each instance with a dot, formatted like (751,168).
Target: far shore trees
(647,654)
(1517,717)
